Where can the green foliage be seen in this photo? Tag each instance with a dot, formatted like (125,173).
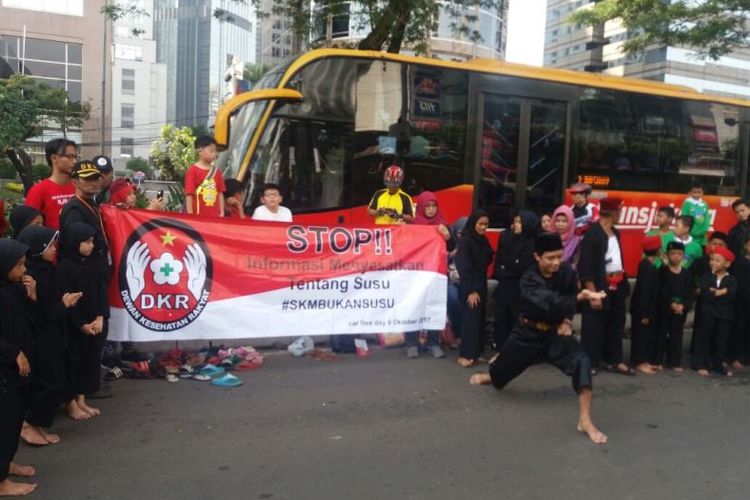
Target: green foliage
(712,28)
(119,11)
(176,198)
(141,200)
(7,170)
(173,152)
(140,165)
(254,72)
(199,130)
(40,171)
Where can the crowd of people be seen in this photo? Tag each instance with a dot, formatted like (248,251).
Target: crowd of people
(55,269)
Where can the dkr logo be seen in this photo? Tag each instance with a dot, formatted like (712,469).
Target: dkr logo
(165,275)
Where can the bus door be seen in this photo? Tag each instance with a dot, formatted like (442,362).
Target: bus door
(521,155)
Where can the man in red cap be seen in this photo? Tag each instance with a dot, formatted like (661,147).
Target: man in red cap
(714,322)
(585,213)
(601,268)
(643,306)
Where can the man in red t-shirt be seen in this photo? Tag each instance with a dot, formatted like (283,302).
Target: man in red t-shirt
(204,183)
(50,195)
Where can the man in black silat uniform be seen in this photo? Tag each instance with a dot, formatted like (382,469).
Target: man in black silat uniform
(549,294)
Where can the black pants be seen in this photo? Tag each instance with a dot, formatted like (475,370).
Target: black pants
(525,346)
(472,327)
(711,339)
(48,386)
(601,331)
(642,342)
(506,317)
(739,339)
(12,406)
(669,340)
(85,360)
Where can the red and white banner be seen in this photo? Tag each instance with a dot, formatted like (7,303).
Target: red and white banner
(182,277)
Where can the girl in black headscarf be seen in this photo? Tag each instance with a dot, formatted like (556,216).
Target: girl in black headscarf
(473,257)
(16,344)
(49,380)
(22,216)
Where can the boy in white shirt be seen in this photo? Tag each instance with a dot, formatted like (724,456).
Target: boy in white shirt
(271,209)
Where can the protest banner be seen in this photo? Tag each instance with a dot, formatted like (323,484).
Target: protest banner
(180,277)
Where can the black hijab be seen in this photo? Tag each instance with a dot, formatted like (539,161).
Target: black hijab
(75,234)
(38,238)
(21,216)
(11,252)
(470,228)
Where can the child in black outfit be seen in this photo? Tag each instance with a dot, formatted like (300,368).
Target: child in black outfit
(717,291)
(88,318)
(16,341)
(740,337)
(676,294)
(49,379)
(643,307)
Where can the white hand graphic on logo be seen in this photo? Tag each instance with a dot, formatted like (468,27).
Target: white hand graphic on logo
(195,263)
(138,259)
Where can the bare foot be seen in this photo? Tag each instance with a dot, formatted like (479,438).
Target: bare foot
(94,412)
(678,369)
(658,368)
(737,365)
(480,379)
(31,435)
(704,373)
(21,470)
(9,488)
(76,413)
(51,438)
(592,432)
(646,368)
(465,362)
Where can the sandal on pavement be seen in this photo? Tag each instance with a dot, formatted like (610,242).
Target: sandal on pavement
(212,371)
(228,380)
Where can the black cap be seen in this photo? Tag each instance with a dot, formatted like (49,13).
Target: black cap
(103,163)
(85,169)
(547,242)
(675,245)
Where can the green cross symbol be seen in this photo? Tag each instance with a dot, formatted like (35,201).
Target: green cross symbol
(166,269)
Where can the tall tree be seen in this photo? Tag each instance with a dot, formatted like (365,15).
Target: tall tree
(392,24)
(173,152)
(711,28)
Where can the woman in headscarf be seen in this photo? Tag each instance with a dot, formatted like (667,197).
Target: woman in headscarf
(473,257)
(564,223)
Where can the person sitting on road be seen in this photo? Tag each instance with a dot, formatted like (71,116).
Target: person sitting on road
(271,209)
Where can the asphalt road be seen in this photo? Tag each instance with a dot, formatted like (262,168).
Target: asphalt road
(388,427)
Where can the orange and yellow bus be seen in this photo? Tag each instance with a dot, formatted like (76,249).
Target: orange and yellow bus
(479,133)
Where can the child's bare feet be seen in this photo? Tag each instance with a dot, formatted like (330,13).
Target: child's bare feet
(678,369)
(21,470)
(94,412)
(646,368)
(737,365)
(30,435)
(480,379)
(51,438)
(76,413)
(704,373)
(465,362)
(658,368)
(587,427)
(10,488)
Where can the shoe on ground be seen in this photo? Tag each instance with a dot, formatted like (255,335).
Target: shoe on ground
(412,352)
(437,352)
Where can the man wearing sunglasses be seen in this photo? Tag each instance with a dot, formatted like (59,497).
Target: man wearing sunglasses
(51,194)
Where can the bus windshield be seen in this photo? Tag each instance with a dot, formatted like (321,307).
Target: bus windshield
(242,127)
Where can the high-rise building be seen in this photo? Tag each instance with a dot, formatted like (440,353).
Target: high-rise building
(198,40)
(599,49)
(61,44)
(139,87)
(276,41)
(346,30)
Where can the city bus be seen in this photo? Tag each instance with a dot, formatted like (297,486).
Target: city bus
(480,134)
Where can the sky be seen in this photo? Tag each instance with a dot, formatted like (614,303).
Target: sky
(526,19)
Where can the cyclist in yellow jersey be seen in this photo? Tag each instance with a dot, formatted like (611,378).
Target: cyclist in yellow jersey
(391,205)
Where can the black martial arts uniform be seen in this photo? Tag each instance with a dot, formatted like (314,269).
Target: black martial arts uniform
(515,254)
(736,238)
(601,330)
(544,304)
(16,335)
(49,380)
(473,257)
(87,275)
(79,210)
(740,337)
(643,305)
(674,288)
(714,323)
